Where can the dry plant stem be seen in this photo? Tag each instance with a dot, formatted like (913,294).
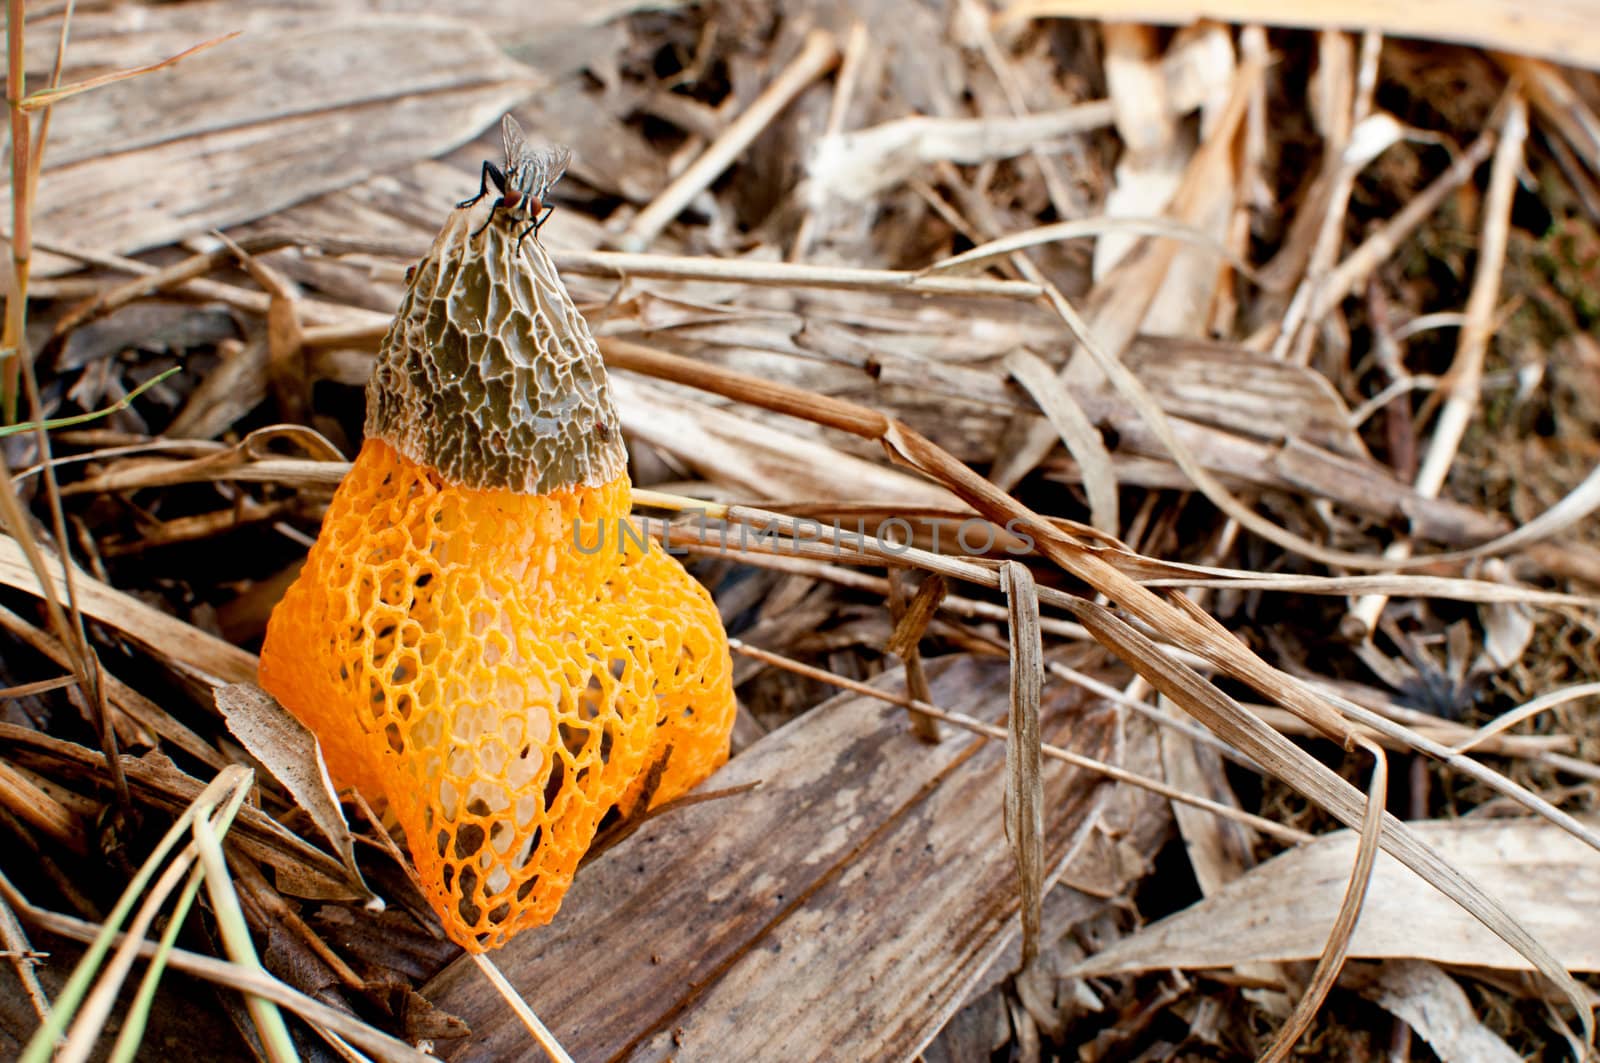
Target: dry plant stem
(1344,925)
(844,90)
(817,56)
(55,83)
(1135,392)
(1421,743)
(1443,587)
(23,959)
(18,367)
(1082,439)
(39,810)
(1381,245)
(1294,341)
(138,708)
(287,372)
(1024,793)
(1193,631)
(88,692)
(1555,100)
(43,686)
(785,274)
(1464,382)
(216,660)
(1079,229)
(1284,834)
(189,274)
(907,633)
(1016,101)
(1530,747)
(536,1029)
(272,908)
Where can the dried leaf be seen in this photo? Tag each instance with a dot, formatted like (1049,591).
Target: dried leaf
(1548,880)
(1435,1007)
(290,752)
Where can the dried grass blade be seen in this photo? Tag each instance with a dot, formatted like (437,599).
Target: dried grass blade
(1081,437)
(1024,800)
(1376,249)
(33,806)
(918,612)
(1554,98)
(23,957)
(34,101)
(1559,32)
(1344,925)
(624,265)
(1576,505)
(167,635)
(235,934)
(1542,703)
(91,1020)
(1481,591)
(140,709)
(910,621)
(1177,620)
(1080,228)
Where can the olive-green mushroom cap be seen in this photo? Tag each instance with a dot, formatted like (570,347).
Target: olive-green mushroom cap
(489,374)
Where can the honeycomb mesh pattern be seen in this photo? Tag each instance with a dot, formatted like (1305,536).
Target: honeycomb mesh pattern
(462,659)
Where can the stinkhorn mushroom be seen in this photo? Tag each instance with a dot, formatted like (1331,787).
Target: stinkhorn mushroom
(478,638)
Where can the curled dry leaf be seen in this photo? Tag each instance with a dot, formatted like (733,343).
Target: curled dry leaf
(287,749)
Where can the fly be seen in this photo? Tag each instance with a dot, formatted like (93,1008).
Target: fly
(526,181)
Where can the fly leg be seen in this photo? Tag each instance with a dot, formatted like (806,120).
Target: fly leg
(490,172)
(533,226)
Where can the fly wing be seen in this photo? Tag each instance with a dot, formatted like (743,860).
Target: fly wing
(515,143)
(546,165)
